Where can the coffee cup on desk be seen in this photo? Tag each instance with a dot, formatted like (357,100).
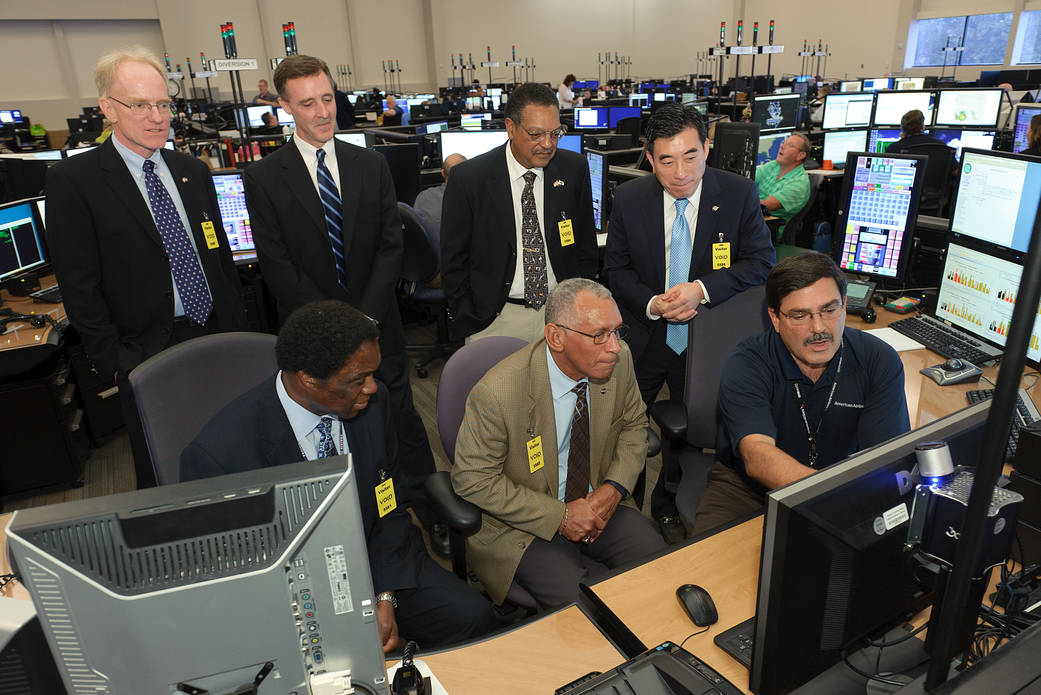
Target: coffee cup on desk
(827,164)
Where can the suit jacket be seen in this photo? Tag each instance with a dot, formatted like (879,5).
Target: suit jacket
(292,239)
(479,234)
(110,260)
(512,404)
(635,259)
(253,432)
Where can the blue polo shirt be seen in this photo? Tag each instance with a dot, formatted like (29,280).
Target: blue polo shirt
(757,396)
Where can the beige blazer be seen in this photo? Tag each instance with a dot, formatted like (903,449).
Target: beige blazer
(510,406)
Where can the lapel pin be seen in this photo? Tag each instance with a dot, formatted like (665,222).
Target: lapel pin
(184,179)
(603,390)
(558,182)
(715,208)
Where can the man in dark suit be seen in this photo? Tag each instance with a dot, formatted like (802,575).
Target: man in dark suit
(326,226)
(136,237)
(516,220)
(687,236)
(325,401)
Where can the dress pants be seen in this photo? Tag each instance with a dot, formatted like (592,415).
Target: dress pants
(515,321)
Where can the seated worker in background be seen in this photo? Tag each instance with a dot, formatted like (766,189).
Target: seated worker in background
(551,444)
(784,185)
(912,132)
(800,397)
(264,96)
(323,402)
(429,200)
(392,114)
(1034,137)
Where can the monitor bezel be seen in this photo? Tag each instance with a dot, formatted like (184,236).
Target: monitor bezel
(761,98)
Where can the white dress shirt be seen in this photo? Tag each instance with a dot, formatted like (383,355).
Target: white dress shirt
(691,215)
(305,424)
(516,173)
(310,155)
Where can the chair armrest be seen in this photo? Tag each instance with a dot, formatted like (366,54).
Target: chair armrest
(653,443)
(671,417)
(460,515)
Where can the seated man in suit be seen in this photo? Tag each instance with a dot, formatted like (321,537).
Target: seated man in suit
(784,185)
(912,132)
(551,444)
(324,401)
(687,236)
(800,397)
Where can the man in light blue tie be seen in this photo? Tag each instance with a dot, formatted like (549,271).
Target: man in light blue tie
(687,236)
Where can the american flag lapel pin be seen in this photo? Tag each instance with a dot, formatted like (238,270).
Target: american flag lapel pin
(184,179)
(603,390)
(557,183)
(715,208)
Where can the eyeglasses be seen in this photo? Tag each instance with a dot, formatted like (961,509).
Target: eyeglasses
(600,338)
(540,135)
(140,108)
(828,313)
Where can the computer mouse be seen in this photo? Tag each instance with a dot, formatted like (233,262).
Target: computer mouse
(953,364)
(698,604)
(868,314)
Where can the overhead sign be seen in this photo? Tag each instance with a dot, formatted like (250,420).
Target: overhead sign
(233,64)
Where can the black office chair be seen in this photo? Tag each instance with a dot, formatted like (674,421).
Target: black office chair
(631,126)
(795,232)
(937,185)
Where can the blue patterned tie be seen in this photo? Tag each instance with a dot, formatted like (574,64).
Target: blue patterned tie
(326,447)
(333,217)
(679,272)
(184,262)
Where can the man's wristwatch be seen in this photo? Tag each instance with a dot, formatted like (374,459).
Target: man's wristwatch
(387,596)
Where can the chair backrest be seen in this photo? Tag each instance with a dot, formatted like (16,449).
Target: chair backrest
(714,333)
(630,126)
(422,257)
(461,372)
(937,185)
(179,390)
(795,225)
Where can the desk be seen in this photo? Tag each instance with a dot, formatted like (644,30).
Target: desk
(20,334)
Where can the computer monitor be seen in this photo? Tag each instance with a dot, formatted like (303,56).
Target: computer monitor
(638,100)
(617,113)
(231,200)
(283,116)
(78,150)
(701,107)
(664,96)
(211,583)
(41,207)
(435,127)
(839,143)
(357,139)
(837,537)
(22,247)
(1024,113)
(774,112)
(691,97)
(769,145)
(10,115)
(851,86)
(570,142)
(875,84)
(735,148)
(879,139)
(957,139)
(909,83)
(255,115)
(598,181)
(890,107)
(877,213)
(596,117)
(997,198)
(848,110)
(472,121)
(968,108)
(37,155)
(470,143)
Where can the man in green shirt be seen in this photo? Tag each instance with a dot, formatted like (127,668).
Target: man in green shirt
(784,185)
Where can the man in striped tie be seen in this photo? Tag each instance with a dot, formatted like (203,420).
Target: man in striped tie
(325,222)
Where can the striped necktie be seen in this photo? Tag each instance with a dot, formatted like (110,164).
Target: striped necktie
(577,484)
(333,217)
(679,272)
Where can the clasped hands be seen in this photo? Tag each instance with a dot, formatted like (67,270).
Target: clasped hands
(679,303)
(586,518)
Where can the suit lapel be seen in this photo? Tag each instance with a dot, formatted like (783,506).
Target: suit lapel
(186,187)
(298,180)
(554,209)
(280,444)
(350,191)
(540,414)
(705,233)
(118,177)
(501,195)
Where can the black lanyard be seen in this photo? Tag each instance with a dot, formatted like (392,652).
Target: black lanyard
(811,435)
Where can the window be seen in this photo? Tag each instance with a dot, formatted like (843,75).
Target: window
(984,37)
(1028,39)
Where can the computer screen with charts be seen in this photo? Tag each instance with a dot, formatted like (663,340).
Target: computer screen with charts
(958,139)
(909,83)
(839,143)
(877,213)
(231,199)
(593,117)
(1024,113)
(851,86)
(21,239)
(472,121)
(968,108)
(997,198)
(848,110)
(598,181)
(879,139)
(774,112)
(470,143)
(890,107)
(769,145)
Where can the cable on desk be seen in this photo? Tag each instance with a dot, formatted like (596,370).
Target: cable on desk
(694,634)
(872,677)
(882,644)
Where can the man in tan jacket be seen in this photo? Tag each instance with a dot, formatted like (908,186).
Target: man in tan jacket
(550,447)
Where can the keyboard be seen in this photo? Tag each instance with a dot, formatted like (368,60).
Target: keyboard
(663,670)
(48,295)
(1026,412)
(944,340)
(737,641)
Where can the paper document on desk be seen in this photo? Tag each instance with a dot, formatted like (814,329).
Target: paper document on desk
(897,341)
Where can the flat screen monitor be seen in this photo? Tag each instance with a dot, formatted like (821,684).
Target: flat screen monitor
(435,127)
(783,90)
(231,200)
(848,110)
(78,150)
(283,116)
(839,143)
(591,117)
(878,212)
(598,181)
(701,107)
(1024,112)
(255,115)
(957,139)
(838,537)
(177,576)
(909,83)
(890,107)
(879,139)
(997,198)
(472,121)
(10,115)
(968,108)
(570,142)
(356,139)
(470,143)
(774,112)
(769,145)
(664,96)
(617,113)
(41,207)
(875,84)
(21,239)
(474,103)
(851,86)
(691,97)
(38,155)
(638,100)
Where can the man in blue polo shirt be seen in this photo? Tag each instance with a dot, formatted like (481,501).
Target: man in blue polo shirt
(800,397)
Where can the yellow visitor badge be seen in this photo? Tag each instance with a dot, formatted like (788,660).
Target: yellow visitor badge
(535,458)
(567,233)
(210,234)
(385,501)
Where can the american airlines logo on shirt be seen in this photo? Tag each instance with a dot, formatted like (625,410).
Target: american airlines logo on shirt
(840,404)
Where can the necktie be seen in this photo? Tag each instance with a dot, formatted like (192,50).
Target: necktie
(536,285)
(326,446)
(333,217)
(679,272)
(577,484)
(184,262)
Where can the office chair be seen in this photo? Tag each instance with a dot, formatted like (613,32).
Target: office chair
(420,270)
(631,126)
(793,232)
(690,425)
(179,390)
(936,188)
